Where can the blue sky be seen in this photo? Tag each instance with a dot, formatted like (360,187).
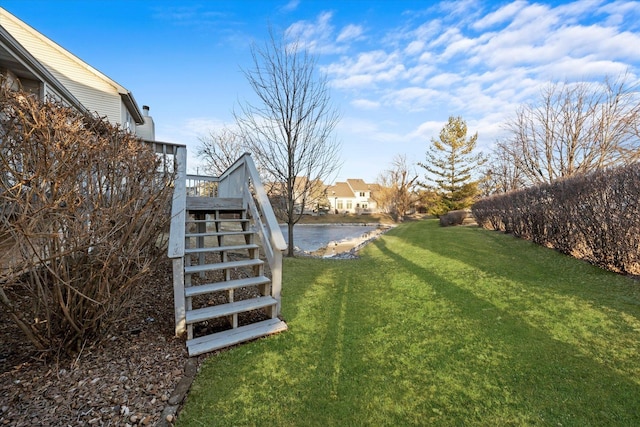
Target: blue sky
(397,69)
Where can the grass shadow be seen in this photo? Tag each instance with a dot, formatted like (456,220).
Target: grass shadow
(547,380)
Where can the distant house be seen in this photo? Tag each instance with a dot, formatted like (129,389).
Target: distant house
(38,65)
(311,194)
(352,196)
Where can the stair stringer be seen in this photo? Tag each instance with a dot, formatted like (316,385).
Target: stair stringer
(230,251)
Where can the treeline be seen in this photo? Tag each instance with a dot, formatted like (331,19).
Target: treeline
(595,217)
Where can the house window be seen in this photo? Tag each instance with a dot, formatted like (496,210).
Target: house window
(339,206)
(365,206)
(349,204)
(127,121)
(362,194)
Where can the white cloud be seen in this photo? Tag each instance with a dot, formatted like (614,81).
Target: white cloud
(444,80)
(500,16)
(315,36)
(418,74)
(350,32)
(365,104)
(585,68)
(426,130)
(622,12)
(482,65)
(367,68)
(320,36)
(291,5)
(415,47)
(413,98)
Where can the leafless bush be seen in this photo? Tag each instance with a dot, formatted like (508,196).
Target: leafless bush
(595,217)
(81,209)
(453,218)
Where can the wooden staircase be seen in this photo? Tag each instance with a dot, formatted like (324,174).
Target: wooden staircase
(227,271)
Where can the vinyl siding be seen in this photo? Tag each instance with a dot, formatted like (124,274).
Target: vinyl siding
(94,92)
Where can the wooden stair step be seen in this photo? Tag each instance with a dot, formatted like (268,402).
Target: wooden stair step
(235,336)
(208,204)
(220,249)
(222,265)
(220,233)
(208,288)
(222,310)
(222,220)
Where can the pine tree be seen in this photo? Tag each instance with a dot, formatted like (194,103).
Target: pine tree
(451,162)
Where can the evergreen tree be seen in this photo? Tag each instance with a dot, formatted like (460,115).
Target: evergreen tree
(450,163)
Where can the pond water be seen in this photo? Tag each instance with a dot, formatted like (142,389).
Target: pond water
(311,237)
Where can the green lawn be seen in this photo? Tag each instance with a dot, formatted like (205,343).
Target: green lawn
(436,326)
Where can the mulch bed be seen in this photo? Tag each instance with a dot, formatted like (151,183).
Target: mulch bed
(125,380)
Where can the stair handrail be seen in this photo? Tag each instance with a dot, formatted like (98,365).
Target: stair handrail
(266,225)
(263,204)
(178,205)
(241,179)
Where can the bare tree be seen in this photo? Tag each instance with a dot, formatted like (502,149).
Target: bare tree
(396,188)
(220,149)
(289,129)
(575,128)
(501,175)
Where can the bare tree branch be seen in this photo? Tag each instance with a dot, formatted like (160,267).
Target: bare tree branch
(396,193)
(220,149)
(575,128)
(289,130)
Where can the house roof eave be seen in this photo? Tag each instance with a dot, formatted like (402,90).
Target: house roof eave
(130,102)
(21,55)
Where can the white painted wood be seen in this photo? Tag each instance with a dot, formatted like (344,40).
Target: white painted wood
(224,339)
(225,285)
(260,229)
(222,310)
(232,180)
(277,239)
(178,206)
(178,296)
(222,248)
(270,233)
(211,204)
(219,233)
(222,266)
(219,220)
(276,281)
(201,229)
(263,223)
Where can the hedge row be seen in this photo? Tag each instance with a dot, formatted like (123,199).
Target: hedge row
(594,217)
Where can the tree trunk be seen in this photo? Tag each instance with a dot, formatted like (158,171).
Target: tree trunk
(291,246)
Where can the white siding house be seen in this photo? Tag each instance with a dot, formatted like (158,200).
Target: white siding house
(37,60)
(352,196)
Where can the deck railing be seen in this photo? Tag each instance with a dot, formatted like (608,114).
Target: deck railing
(240,180)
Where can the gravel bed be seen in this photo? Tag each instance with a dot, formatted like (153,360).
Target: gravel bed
(126,380)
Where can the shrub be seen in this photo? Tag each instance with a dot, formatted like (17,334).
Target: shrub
(594,217)
(82,209)
(453,218)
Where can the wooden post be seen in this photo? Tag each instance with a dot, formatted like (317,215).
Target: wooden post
(176,238)
(276,280)
(178,296)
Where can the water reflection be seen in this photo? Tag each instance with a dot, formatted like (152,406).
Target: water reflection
(311,237)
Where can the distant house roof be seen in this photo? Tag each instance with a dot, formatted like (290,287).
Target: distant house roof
(340,189)
(358,185)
